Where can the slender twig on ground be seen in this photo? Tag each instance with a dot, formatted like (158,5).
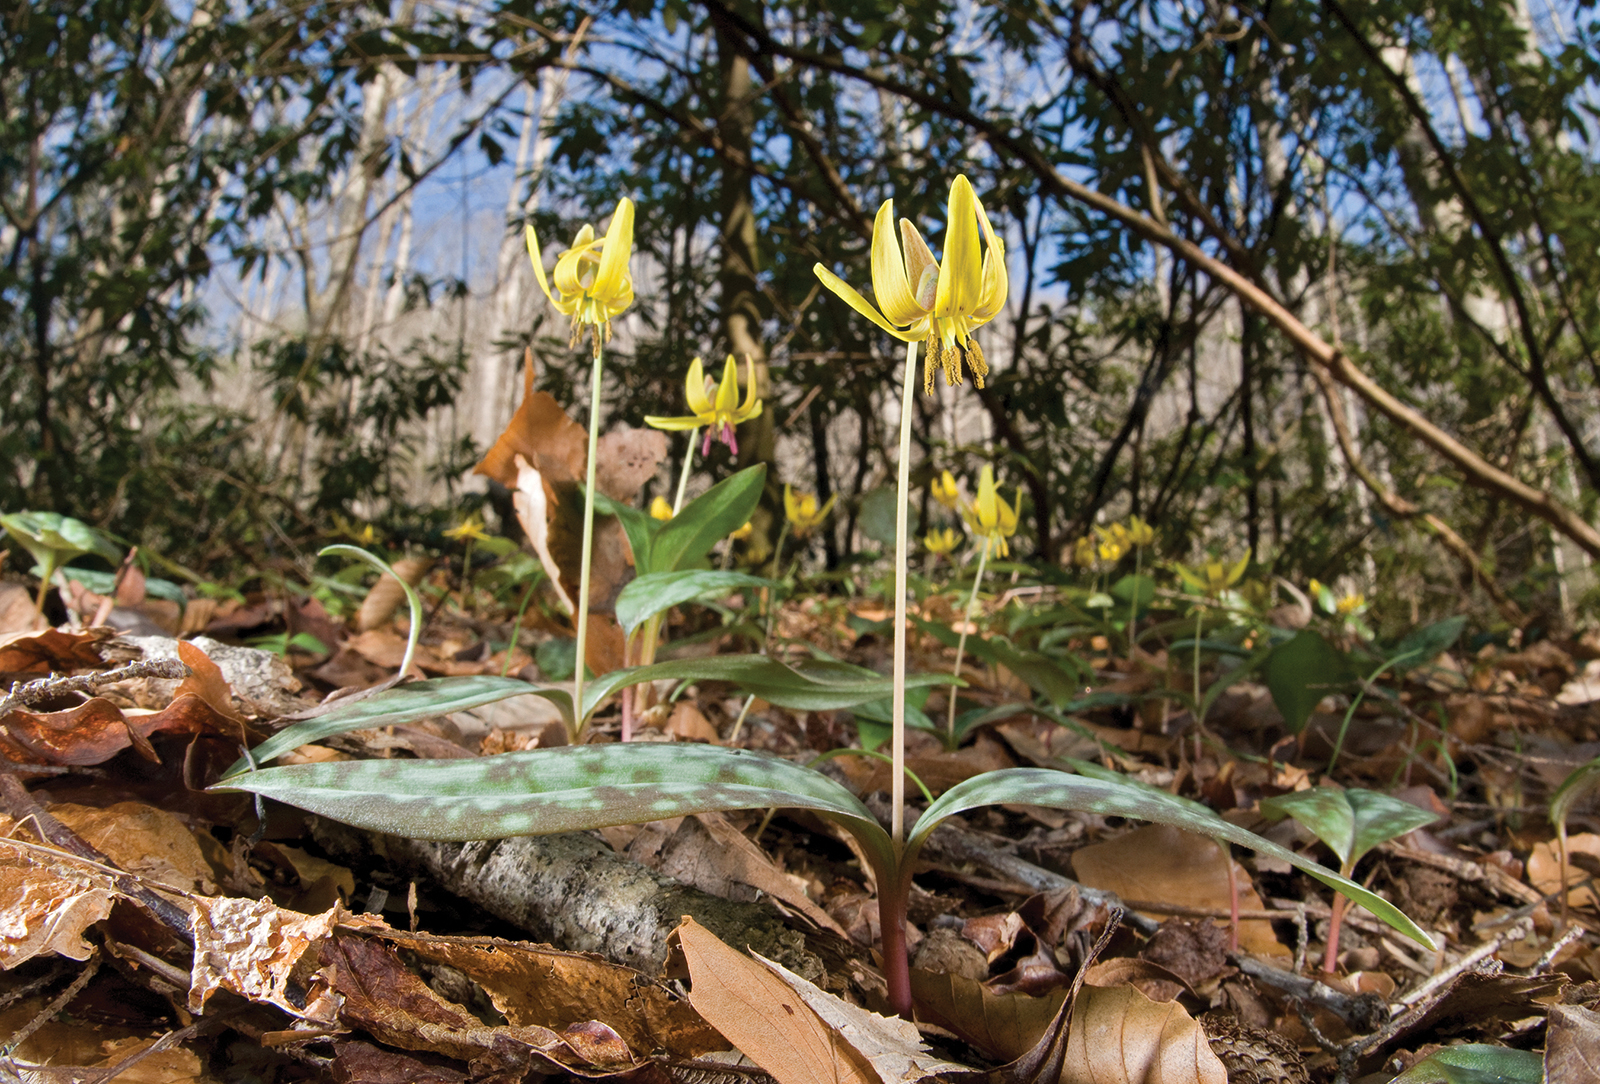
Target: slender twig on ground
(21,695)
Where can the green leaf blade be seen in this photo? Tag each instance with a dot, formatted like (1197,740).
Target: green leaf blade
(1059,790)
(656,592)
(396,706)
(688,536)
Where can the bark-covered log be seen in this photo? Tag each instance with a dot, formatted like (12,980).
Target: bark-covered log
(572,891)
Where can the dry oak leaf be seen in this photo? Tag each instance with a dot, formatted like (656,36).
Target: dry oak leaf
(251,947)
(149,843)
(541,986)
(1119,1036)
(1158,863)
(97,730)
(760,1008)
(47,900)
(378,995)
(1544,868)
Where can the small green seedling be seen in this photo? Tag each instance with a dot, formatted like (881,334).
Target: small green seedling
(53,540)
(1351,822)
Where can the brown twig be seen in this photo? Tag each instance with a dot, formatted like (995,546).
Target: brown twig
(21,695)
(22,808)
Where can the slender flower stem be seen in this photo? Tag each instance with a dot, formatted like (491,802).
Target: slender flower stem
(1199,613)
(1133,603)
(769,603)
(588,542)
(961,644)
(683,479)
(897,783)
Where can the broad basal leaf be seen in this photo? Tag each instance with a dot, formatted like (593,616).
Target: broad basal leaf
(565,789)
(657,592)
(405,704)
(1058,790)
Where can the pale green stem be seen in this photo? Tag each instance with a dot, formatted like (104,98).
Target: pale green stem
(1199,612)
(1133,604)
(683,479)
(588,540)
(738,724)
(769,602)
(961,644)
(897,782)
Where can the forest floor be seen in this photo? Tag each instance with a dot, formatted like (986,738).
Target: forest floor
(151,930)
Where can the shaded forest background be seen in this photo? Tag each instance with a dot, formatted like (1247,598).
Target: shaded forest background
(1316,279)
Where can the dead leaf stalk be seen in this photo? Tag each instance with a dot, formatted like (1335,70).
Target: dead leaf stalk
(46,688)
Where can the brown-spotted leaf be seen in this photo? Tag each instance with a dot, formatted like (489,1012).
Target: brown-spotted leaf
(627,459)
(1119,1036)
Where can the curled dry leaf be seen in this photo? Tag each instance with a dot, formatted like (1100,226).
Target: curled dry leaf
(97,730)
(380,996)
(387,594)
(532,502)
(47,902)
(535,985)
(251,947)
(1119,1036)
(50,650)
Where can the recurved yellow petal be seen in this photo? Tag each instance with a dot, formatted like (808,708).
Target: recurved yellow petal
(889,270)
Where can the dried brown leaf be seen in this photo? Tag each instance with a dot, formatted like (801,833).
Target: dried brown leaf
(16,611)
(46,903)
(1572,1045)
(1003,1026)
(1119,1036)
(149,843)
(251,947)
(542,434)
(626,460)
(537,985)
(1161,864)
(765,1017)
(51,650)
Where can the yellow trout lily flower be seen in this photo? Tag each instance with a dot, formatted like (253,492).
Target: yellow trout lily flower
(945,492)
(923,300)
(469,528)
(742,533)
(720,414)
(990,517)
(661,509)
(592,281)
(1351,604)
(942,542)
(1083,552)
(1140,533)
(1213,577)
(1113,543)
(802,511)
